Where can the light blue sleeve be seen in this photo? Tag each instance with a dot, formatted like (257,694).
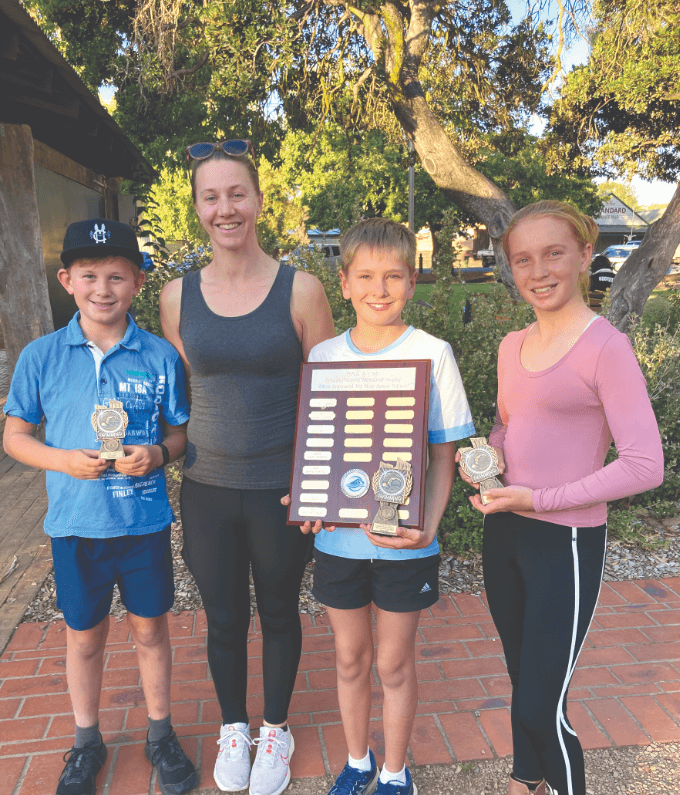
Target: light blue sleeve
(23,400)
(450,418)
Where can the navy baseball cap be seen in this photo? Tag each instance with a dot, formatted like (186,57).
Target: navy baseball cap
(100,238)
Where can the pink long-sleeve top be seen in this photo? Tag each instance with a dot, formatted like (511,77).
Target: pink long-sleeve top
(556,425)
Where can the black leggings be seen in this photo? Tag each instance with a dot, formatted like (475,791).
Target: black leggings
(542,581)
(225,532)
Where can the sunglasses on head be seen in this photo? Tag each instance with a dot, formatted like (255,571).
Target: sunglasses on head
(236,148)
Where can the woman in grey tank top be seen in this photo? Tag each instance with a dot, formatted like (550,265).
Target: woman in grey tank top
(243,325)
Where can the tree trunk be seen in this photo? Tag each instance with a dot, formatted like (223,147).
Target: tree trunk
(458,180)
(399,49)
(24,302)
(646,267)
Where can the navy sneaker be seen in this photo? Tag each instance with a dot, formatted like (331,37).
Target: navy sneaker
(356,782)
(396,788)
(79,777)
(176,772)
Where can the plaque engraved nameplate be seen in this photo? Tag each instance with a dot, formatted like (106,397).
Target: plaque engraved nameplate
(380,412)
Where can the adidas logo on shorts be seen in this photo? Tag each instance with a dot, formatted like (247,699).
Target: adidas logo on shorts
(425,588)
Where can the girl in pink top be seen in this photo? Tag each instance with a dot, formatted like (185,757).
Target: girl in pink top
(568,386)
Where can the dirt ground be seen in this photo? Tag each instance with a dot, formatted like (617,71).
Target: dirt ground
(652,770)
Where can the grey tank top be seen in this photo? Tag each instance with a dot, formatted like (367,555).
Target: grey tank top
(245,373)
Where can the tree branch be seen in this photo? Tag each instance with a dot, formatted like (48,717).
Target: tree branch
(191,69)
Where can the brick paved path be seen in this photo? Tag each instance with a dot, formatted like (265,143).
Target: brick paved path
(626,691)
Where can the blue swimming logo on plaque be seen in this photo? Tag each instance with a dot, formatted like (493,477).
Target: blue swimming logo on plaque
(355,483)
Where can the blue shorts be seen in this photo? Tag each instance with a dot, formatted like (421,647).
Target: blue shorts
(86,569)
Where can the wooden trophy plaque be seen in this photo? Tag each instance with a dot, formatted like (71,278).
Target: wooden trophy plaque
(351,417)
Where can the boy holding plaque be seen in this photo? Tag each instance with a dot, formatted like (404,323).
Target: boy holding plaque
(115,409)
(355,567)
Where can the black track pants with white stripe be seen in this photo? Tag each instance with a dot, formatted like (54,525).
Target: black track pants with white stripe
(542,582)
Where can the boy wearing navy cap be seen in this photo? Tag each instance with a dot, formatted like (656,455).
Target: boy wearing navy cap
(109,520)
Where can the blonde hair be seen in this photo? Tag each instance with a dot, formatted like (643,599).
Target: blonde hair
(583,227)
(382,234)
(220,154)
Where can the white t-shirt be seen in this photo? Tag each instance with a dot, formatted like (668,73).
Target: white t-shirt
(449,420)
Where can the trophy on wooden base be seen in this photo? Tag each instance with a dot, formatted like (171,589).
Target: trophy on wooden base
(391,485)
(109,423)
(480,463)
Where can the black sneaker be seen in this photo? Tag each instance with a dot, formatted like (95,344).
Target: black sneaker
(176,772)
(79,777)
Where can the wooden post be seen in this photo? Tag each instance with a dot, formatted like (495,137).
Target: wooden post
(25,309)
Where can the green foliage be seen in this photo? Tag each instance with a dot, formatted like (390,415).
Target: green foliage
(658,352)
(188,258)
(673,299)
(174,206)
(312,260)
(621,111)
(637,527)
(518,164)
(622,190)
(343,177)
(633,520)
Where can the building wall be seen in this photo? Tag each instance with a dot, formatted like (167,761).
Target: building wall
(61,201)
(68,192)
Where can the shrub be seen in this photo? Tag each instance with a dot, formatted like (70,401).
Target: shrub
(145,305)
(657,349)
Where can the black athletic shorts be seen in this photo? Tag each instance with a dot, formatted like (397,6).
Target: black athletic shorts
(396,586)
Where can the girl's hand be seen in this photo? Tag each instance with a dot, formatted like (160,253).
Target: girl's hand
(406,538)
(308,526)
(468,480)
(510,498)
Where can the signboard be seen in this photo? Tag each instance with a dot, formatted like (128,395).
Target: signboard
(616,213)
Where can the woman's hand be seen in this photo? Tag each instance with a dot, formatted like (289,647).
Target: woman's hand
(510,498)
(406,538)
(468,480)
(307,526)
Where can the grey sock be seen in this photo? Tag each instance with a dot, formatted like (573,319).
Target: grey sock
(88,735)
(159,728)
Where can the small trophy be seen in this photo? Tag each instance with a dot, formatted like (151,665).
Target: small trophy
(480,463)
(392,484)
(109,423)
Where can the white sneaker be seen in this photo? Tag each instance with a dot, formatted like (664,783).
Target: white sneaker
(232,767)
(271,769)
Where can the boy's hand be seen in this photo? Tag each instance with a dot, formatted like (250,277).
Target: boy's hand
(406,538)
(139,459)
(307,526)
(466,477)
(84,464)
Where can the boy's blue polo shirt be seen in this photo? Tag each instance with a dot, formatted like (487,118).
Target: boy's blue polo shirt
(56,377)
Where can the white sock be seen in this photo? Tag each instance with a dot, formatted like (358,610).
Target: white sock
(360,764)
(386,776)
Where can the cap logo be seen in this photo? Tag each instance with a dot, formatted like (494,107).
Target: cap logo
(100,235)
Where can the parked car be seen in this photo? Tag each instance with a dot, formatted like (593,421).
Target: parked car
(618,254)
(487,257)
(331,252)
